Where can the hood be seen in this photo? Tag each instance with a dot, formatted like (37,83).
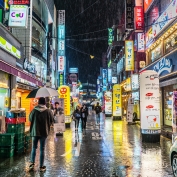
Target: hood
(40,108)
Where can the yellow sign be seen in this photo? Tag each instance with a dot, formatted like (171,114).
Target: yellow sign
(129,55)
(64,92)
(128,84)
(117,100)
(6,102)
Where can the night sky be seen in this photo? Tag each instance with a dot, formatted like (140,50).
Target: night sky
(86,32)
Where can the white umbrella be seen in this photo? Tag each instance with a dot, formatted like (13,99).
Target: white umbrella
(42,92)
(95,102)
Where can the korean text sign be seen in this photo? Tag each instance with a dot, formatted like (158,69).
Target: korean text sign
(18,16)
(129,9)
(117,100)
(150,102)
(139,18)
(64,92)
(108,102)
(129,55)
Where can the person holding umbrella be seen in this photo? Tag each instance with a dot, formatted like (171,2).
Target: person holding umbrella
(41,119)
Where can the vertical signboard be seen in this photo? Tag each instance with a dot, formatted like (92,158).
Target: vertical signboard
(141,42)
(135,81)
(105,75)
(109,75)
(147,4)
(61,79)
(108,102)
(130,110)
(110,36)
(150,102)
(129,16)
(64,92)
(61,63)
(18,16)
(139,18)
(129,55)
(117,100)
(174,120)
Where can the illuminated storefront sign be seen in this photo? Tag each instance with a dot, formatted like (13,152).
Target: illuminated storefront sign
(64,92)
(154,14)
(61,79)
(150,102)
(109,64)
(110,36)
(147,4)
(128,84)
(9,48)
(109,75)
(139,18)
(105,75)
(141,42)
(120,65)
(61,48)
(166,17)
(28,66)
(135,81)
(18,16)
(19,2)
(129,14)
(156,53)
(129,55)
(149,37)
(117,100)
(61,32)
(61,63)
(61,17)
(114,80)
(108,102)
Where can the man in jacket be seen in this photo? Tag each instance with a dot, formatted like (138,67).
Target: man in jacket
(97,111)
(41,119)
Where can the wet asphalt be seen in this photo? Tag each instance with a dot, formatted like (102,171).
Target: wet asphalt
(111,149)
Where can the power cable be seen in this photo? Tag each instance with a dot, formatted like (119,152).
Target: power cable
(89,39)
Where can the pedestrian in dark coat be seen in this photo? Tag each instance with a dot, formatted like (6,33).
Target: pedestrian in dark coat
(41,119)
(84,115)
(77,116)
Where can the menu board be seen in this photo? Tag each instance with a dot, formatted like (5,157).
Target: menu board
(150,102)
(108,102)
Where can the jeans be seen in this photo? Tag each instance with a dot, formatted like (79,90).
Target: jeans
(84,120)
(77,122)
(34,147)
(98,118)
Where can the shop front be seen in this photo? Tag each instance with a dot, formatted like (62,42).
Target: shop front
(166,67)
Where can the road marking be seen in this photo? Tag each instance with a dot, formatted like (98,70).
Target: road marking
(76,149)
(66,153)
(96,136)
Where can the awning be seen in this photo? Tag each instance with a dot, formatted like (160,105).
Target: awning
(17,72)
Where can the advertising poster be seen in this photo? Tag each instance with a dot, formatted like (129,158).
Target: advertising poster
(129,55)
(130,110)
(135,81)
(150,102)
(108,103)
(174,121)
(64,92)
(117,100)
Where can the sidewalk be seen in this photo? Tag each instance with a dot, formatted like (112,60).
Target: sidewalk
(113,149)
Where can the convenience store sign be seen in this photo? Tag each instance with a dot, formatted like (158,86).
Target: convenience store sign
(9,48)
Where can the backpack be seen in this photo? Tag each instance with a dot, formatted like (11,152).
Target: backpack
(97,109)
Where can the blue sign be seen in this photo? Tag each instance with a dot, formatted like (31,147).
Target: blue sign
(61,32)
(165,66)
(1,3)
(105,76)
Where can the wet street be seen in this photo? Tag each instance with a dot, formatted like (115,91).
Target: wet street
(113,149)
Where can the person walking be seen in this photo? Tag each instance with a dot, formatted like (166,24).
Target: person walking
(77,116)
(41,119)
(97,111)
(84,115)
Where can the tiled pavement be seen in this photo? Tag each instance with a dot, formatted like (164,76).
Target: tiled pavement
(113,149)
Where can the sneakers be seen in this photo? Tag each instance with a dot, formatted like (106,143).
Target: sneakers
(31,166)
(43,168)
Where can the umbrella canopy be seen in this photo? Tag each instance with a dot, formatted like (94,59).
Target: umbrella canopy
(42,92)
(95,102)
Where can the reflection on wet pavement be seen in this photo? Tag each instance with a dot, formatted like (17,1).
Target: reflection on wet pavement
(111,149)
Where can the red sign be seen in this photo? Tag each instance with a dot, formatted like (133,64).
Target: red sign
(147,4)
(63,91)
(139,18)
(19,2)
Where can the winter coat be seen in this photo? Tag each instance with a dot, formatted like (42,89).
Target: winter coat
(77,112)
(41,119)
(85,111)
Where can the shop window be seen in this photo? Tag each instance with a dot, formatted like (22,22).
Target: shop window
(168,91)
(156,53)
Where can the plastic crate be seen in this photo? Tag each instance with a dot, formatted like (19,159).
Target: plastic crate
(6,151)
(18,120)
(19,140)
(15,114)
(19,145)
(7,139)
(16,128)
(19,136)
(20,150)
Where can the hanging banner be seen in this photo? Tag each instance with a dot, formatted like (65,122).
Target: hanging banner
(130,110)
(110,36)
(135,81)
(129,55)
(139,18)
(150,102)
(64,92)
(108,102)
(147,4)
(117,100)
(61,63)
(129,16)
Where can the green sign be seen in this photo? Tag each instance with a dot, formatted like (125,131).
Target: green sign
(10,48)
(61,79)
(110,36)
(109,64)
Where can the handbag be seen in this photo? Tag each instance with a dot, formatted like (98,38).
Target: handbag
(77,115)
